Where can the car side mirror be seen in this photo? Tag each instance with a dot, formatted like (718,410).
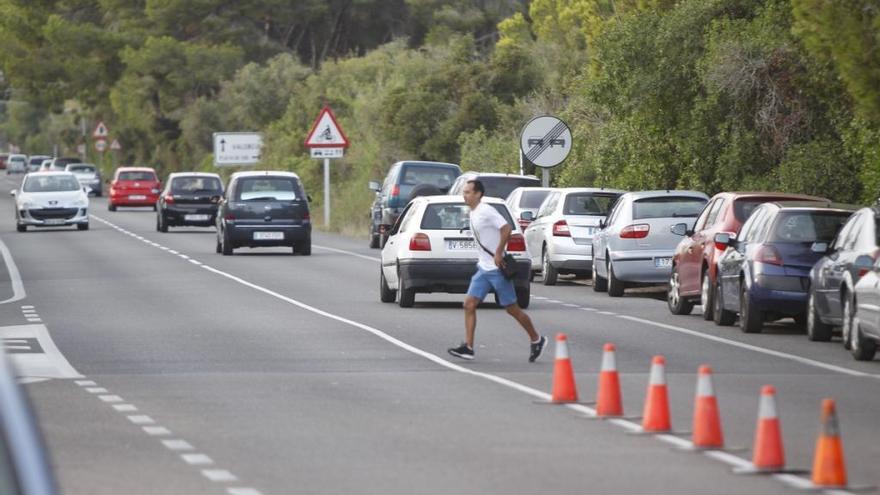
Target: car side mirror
(819,247)
(309,197)
(527,215)
(680,229)
(374,186)
(12,192)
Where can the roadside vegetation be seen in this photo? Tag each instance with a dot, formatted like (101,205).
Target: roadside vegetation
(701,94)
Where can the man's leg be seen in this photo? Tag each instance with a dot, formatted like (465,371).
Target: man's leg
(523,319)
(470,319)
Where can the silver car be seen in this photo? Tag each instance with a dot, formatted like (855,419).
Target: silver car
(524,199)
(560,237)
(635,245)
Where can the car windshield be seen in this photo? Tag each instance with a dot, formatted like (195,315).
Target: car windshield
(440,177)
(267,189)
(667,207)
(140,175)
(501,187)
(588,204)
(190,185)
(50,183)
(532,199)
(454,216)
(808,226)
(81,169)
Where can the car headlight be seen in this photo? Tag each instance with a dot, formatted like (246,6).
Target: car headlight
(27,205)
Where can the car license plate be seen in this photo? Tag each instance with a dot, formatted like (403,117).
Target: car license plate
(197,218)
(663,262)
(54,221)
(460,245)
(268,236)
(137,197)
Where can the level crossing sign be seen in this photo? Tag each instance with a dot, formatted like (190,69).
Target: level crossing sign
(545,141)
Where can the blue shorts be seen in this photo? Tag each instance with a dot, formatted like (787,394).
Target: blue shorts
(484,281)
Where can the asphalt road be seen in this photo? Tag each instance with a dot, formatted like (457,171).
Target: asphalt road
(275,374)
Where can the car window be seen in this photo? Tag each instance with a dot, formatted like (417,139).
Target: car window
(441,177)
(532,199)
(501,187)
(190,185)
(396,227)
(454,216)
(405,223)
(877,231)
(743,207)
(549,204)
(746,232)
(268,189)
(615,210)
(50,183)
(588,204)
(82,169)
(840,241)
(667,207)
(807,226)
(719,205)
(701,220)
(139,175)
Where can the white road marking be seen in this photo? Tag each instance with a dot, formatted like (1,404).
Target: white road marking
(173,251)
(243,491)
(554,301)
(34,320)
(569,305)
(38,366)
(589,309)
(350,253)
(27,307)
(609,313)
(156,430)
(196,459)
(85,383)
(96,390)
(194,262)
(125,407)
(110,398)
(141,419)
(177,444)
(219,475)
(18,292)
(540,298)
(26,311)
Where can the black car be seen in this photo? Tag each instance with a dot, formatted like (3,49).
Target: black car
(189,198)
(406,180)
(262,209)
(833,278)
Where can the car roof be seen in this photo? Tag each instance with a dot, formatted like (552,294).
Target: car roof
(82,163)
(135,169)
(771,194)
(813,205)
(17,155)
(589,190)
(666,192)
(258,173)
(423,162)
(192,174)
(454,198)
(496,174)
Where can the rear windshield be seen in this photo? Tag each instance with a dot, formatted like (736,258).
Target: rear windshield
(501,187)
(50,183)
(808,226)
(532,199)
(441,177)
(137,176)
(17,159)
(191,185)
(667,207)
(82,169)
(454,216)
(588,204)
(268,189)
(37,160)
(743,208)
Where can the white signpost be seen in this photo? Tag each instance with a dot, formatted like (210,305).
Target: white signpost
(326,140)
(546,142)
(237,148)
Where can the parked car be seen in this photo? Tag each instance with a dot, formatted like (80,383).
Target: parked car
(764,272)
(431,249)
(34,162)
(866,317)
(25,466)
(134,186)
(59,164)
(3,157)
(496,185)
(524,199)
(44,165)
(88,175)
(695,260)
(560,239)
(51,199)
(834,276)
(635,244)
(16,164)
(404,181)
(189,198)
(262,209)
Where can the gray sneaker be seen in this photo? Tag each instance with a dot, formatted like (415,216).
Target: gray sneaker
(537,349)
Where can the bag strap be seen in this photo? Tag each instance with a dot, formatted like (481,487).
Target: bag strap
(477,238)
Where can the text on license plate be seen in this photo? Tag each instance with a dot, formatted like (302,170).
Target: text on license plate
(663,262)
(197,218)
(268,236)
(54,221)
(137,197)
(460,245)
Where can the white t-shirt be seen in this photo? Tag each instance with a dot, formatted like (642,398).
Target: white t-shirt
(487,223)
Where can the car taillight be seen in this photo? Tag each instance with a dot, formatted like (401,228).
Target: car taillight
(169,199)
(769,255)
(395,191)
(307,217)
(560,229)
(874,256)
(516,243)
(229,216)
(420,242)
(637,231)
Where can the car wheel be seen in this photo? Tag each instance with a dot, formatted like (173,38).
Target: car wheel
(817,330)
(374,241)
(386,294)
(707,290)
(111,207)
(846,329)
(21,228)
(82,226)
(861,347)
(523,297)
(548,273)
(615,285)
(227,243)
(161,223)
(677,304)
(750,319)
(407,296)
(600,284)
(721,316)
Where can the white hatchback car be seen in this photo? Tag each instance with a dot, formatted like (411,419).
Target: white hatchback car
(51,199)
(560,238)
(431,249)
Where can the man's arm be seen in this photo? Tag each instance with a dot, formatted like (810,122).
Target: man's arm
(502,244)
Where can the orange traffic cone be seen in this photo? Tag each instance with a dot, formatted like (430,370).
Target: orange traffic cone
(707,421)
(656,411)
(768,454)
(608,401)
(828,465)
(564,388)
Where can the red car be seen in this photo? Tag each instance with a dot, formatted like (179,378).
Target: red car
(134,186)
(694,264)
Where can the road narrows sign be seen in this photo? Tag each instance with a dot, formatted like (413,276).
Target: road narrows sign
(545,141)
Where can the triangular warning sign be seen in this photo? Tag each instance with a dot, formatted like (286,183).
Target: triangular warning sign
(100,130)
(326,132)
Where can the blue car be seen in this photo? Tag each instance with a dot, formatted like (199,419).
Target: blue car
(765,271)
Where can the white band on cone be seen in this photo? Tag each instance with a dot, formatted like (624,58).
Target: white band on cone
(704,386)
(658,375)
(767,407)
(609,363)
(561,349)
